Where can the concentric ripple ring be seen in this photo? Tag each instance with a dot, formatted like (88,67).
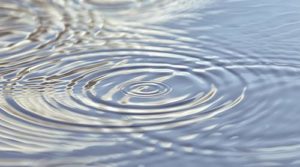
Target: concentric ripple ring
(154,90)
(146,89)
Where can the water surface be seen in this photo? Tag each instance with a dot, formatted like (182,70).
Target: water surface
(150,83)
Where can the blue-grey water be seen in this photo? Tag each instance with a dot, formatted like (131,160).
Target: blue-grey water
(150,83)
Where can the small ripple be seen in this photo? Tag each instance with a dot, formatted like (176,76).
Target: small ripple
(146,89)
(27,26)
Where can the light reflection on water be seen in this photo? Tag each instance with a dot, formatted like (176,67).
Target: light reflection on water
(149,83)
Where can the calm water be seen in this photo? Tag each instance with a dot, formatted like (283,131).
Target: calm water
(158,83)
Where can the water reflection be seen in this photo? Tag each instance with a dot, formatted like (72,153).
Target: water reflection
(149,83)
(145,11)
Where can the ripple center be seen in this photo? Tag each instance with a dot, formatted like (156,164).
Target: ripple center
(146,89)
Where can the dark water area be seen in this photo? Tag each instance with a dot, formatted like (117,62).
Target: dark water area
(150,83)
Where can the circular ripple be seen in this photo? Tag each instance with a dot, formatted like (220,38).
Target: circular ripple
(145,89)
(122,91)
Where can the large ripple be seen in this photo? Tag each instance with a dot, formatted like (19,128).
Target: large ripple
(121,90)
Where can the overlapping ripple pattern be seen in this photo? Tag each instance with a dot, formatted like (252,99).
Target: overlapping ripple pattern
(149,83)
